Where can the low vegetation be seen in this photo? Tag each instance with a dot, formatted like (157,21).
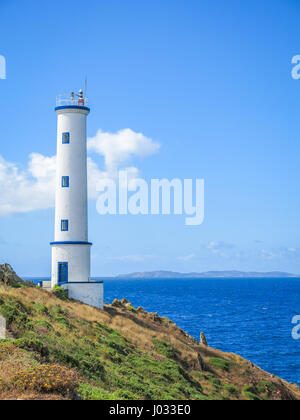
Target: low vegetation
(61,349)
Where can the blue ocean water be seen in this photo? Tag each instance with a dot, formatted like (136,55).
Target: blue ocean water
(250,317)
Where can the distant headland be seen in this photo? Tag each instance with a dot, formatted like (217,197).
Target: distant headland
(204,275)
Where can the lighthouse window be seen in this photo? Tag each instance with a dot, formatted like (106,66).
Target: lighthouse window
(65,225)
(65,183)
(66,138)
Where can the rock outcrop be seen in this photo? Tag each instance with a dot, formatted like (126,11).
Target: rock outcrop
(8,277)
(203,340)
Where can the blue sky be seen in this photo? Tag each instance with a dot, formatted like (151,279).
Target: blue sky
(210,81)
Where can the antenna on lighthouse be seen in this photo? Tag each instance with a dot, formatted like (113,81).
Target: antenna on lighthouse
(85,89)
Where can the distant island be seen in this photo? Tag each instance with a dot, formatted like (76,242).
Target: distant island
(204,275)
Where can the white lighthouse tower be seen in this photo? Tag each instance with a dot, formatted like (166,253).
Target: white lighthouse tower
(71,248)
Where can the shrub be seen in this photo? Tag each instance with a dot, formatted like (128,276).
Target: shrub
(61,293)
(89,392)
(62,321)
(215,382)
(14,311)
(220,364)
(46,378)
(82,359)
(39,326)
(251,396)
(250,393)
(40,309)
(33,344)
(165,349)
(265,386)
(7,349)
(231,390)
(123,394)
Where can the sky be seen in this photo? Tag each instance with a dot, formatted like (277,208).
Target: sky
(177,89)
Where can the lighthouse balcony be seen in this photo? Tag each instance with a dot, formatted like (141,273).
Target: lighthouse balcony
(71,100)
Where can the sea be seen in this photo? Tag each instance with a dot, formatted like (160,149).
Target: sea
(249,317)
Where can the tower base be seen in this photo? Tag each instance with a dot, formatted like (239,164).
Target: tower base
(90,293)
(70,262)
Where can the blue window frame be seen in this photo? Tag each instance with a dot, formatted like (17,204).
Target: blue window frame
(65,182)
(65,138)
(64,225)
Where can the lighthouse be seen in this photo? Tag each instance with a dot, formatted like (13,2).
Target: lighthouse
(71,249)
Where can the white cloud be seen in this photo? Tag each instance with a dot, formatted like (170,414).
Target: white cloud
(132,258)
(94,176)
(278,253)
(269,255)
(218,248)
(220,245)
(33,188)
(27,190)
(118,148)
(188,257)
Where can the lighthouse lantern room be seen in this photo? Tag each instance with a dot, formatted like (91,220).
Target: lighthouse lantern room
(71,248)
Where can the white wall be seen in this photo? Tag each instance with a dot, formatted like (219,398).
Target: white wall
(2,327)
(88,293)
(71,203)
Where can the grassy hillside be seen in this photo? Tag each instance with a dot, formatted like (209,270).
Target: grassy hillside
(66,350)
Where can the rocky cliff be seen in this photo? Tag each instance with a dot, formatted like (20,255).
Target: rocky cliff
(8,277)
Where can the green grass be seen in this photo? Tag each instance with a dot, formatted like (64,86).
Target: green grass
(112,366)
(265,387)
(61,293)
(250,393)
(165,349)
(220,364)
(231,390)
